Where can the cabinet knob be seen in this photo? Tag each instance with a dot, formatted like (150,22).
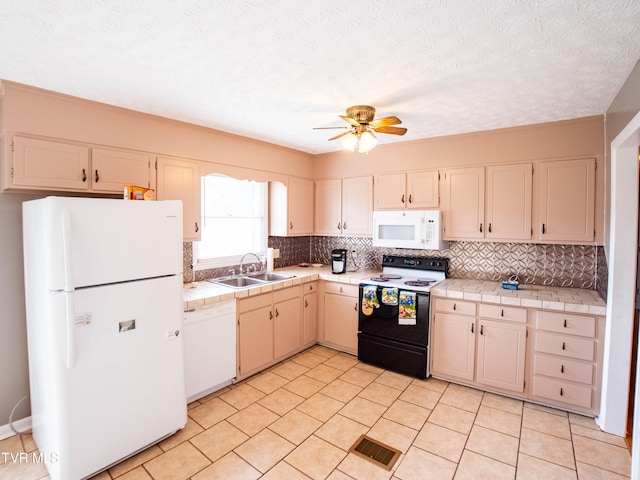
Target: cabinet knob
(356,307)
(481,329)
(472,328)
(97,176)
(410,199)
(277,313)
(543,229)
(306,304)
(338,225)
(270,315)
(290,225)
(402,201)
(341,290)
(489,227)
(344,226)
(84,175)
(480,228)
(197,228)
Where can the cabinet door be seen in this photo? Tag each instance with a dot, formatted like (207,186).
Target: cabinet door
(566,200)
(286,327)
(453,345)
(180,180)
(255,340)
(357,206)
(501,352)
(464,203)
(328,207)
(423,189)
(508,213)
(112,169)
(47,165)
(390,191)
(341,322)
(300,206)
(310,319)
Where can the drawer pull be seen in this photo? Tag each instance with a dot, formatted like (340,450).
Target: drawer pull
(472,328)
(277,313)
(454,306)
(306,304)
(563,346)
(402,199)
(481,329)
(561,368)
(270,315)
(561,392)
(410,200)
(565,323)
(502,312)
(84,175)
(356,307)
(341,290)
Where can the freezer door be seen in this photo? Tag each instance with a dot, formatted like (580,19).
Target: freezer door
(91,241)
(125,388)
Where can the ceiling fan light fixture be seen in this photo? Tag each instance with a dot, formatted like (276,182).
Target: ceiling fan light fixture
(367,141)
(350,142)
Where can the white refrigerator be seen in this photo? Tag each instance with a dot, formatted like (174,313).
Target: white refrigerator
(103,287)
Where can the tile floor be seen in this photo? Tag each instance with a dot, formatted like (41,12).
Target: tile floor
(298,419)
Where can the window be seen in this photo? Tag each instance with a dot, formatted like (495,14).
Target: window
(234,221)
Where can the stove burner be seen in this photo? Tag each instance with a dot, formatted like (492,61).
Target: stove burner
(384,277)
(418,283)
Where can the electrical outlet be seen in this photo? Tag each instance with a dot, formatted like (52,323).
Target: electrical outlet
(276,253)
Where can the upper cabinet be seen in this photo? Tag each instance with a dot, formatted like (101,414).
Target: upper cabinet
(491,202)
(344,206)
(396,191)
(38,164)
(464,203)
(291,207)
(508,205)
(179,179)
(565,200)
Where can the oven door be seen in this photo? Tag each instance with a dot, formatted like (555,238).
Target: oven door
(384,321)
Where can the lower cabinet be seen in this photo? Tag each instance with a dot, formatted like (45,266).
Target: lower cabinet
(310,314)
(548,357)
(339,317)
(269,329)
(484,344)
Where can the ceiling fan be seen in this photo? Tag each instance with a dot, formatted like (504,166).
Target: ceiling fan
(362,126)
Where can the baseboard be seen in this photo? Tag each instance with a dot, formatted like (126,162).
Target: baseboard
(21,425)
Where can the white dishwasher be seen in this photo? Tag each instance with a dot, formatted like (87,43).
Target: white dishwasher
(209,348)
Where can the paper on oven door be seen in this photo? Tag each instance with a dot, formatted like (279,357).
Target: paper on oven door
(369,299)
(407,311)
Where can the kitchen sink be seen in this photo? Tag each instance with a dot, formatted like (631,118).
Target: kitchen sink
(246,281)
(238,282)
(270,276)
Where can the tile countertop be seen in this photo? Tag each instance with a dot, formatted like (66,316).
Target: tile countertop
(201,293)
(575,300)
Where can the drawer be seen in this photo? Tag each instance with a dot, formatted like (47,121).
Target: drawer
(498,312)
(564,392)
(310,287)
(565,346)
(286,293)
(448,305)
(254,302)
(582,325)
(563,369)
(341,289)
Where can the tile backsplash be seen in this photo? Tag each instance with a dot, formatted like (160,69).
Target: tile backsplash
(556,265)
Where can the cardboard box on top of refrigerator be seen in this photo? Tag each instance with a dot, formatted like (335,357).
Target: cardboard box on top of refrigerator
(134,192)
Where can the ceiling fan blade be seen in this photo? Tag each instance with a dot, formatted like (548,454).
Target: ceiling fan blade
(340,135)
(350,121)
(328,128)
(391,130)
(383,122)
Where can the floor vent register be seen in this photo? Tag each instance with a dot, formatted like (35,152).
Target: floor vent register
(375,452)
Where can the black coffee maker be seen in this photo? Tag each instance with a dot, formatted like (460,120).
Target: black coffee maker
(338,260)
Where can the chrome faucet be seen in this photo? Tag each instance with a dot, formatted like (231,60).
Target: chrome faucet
(245,256)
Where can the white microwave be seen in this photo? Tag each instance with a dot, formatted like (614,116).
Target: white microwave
(421,229)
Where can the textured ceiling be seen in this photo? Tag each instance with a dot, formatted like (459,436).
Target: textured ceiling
(272,70)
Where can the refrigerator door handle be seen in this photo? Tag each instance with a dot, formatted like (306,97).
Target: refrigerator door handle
(66,250)
(70,325)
